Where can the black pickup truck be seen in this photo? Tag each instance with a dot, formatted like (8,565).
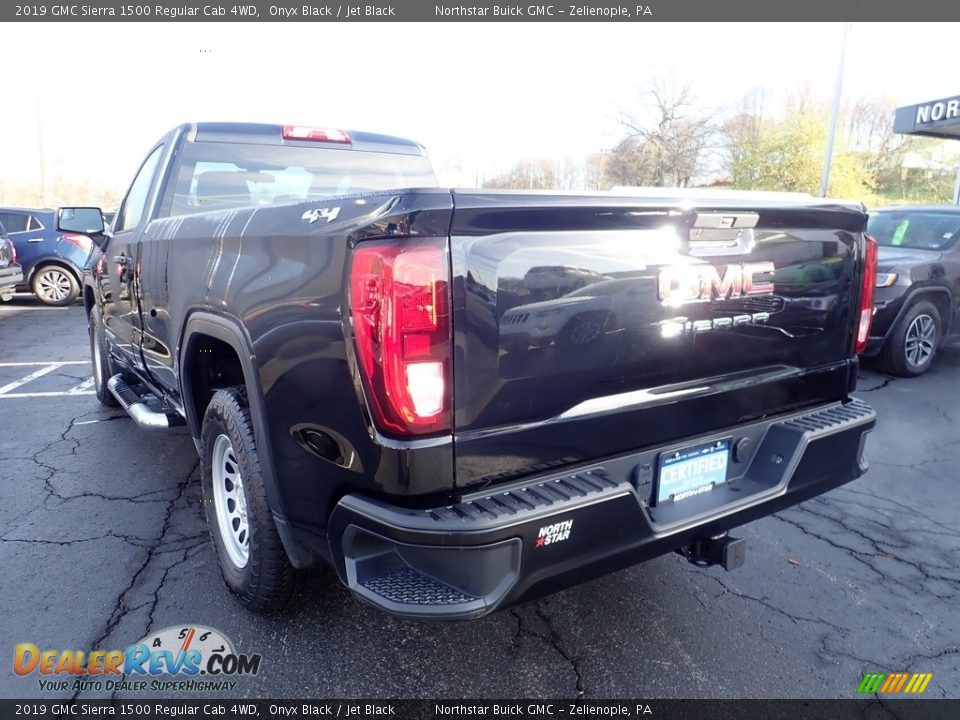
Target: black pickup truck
(462,400)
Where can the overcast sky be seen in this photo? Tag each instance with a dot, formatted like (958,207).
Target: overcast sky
(478,94)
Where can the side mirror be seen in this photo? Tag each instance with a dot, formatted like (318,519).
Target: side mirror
(86,220)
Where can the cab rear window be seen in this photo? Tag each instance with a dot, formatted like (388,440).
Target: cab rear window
(216,176)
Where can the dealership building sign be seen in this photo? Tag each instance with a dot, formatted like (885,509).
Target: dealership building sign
(937,118)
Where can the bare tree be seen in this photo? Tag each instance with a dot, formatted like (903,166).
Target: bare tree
(629,163)
(804,99)
(870,131)
(674,134)
(526,175)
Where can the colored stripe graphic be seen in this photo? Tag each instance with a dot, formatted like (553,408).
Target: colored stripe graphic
(871,683)
(919,681)
(894,683)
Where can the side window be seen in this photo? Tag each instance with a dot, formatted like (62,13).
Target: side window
(14,222)
(136,200)
(35,224)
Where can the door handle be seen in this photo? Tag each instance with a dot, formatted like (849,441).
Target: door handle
(121,259)
(39,239)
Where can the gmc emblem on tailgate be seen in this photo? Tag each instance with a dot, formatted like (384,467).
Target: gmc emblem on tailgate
(679,284)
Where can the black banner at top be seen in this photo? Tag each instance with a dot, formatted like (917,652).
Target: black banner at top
(466,11)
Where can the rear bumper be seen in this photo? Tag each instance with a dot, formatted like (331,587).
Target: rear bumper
(527,539)
(10,277)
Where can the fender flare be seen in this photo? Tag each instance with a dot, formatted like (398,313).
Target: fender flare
(911,297)
(231,332)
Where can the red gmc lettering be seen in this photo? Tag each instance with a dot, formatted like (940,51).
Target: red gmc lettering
(682,284)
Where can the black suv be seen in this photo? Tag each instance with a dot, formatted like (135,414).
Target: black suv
(918,285)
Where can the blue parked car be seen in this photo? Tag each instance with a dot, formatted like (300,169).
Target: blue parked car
(52,261)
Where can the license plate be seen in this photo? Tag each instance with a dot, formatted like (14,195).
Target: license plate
(691,471)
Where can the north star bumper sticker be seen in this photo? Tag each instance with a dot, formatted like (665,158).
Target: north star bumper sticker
(551,534)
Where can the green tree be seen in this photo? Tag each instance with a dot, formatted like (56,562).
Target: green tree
(787,154)
(919,170)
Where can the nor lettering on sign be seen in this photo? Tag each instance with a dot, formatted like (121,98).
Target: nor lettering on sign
(937,118)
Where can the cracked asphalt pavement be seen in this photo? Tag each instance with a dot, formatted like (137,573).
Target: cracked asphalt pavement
(102,540)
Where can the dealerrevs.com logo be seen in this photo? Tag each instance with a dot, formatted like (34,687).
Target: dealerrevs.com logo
(192,657)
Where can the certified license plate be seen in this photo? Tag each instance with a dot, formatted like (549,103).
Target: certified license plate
(691,471)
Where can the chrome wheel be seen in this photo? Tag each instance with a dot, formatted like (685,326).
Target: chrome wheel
(230,502)
(53,285)
(585,332)
(920,340)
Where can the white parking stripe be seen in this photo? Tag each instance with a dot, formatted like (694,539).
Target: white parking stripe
(48,362)
(32,376)
(81,387)
(10,396)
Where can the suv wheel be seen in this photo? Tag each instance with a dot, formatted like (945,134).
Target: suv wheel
(584,329)
(103,368)
(252,560)
(55,285)
(911,347)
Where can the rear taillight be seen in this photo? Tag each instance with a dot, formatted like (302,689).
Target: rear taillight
(77,240)
(867,289)
(400,312)
(13,253)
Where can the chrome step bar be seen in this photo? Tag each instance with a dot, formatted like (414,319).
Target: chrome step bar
(138,410)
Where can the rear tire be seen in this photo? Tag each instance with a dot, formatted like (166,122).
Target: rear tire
(912,345)
(252,559)
(55,285)
(103,368)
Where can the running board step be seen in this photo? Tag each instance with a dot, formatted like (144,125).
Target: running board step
(138,409)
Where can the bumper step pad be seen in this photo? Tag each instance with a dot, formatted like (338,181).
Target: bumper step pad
(409,587)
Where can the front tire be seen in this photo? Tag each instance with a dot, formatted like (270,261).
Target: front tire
(55,285)
(252,559)
(913,344)
(103,368)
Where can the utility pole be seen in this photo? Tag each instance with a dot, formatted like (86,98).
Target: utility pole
(834,114)
(44,201)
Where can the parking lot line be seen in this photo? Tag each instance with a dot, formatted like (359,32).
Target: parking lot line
(27,378)
(13,396)
(43,367)
(44,362)
(79,389)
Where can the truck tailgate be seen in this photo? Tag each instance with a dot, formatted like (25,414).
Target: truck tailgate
(590,326)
